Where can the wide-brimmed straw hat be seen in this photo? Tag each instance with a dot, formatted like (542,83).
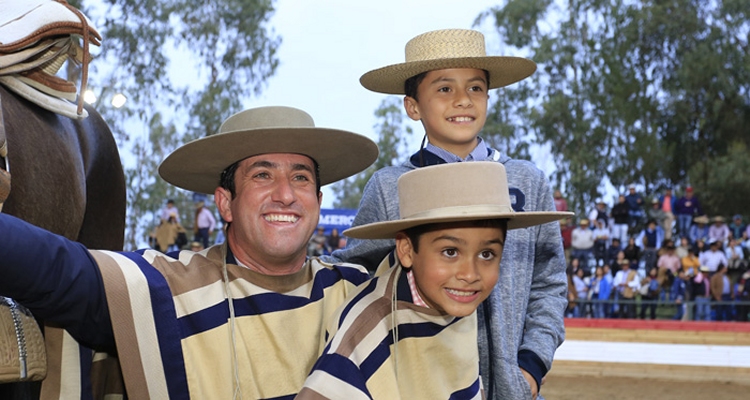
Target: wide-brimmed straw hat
(453,192)
(197,165)
(444,49)
(702,219)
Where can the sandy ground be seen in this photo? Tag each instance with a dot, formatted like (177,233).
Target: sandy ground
(589,388)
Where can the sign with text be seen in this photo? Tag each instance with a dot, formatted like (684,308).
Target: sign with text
(340,219)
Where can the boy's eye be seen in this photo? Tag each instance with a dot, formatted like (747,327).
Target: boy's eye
(444,89)
(450,252)
(477,89)
(487,255)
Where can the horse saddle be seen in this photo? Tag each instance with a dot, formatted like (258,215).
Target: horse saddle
(36,38)
(22,353)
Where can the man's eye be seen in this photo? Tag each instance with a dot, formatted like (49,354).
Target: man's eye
(262,175)
(301,178)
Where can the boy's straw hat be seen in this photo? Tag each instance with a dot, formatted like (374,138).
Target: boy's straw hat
(453,192)
(198,165)
(443,49)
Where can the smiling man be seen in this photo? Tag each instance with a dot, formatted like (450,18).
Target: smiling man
(240,319)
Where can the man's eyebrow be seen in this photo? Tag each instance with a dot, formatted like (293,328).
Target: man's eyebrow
(262,164)
(302,167)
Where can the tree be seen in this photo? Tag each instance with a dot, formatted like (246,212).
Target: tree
(225,51)
(628,91)
(393,145)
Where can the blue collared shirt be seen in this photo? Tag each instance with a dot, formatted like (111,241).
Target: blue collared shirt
(479,153)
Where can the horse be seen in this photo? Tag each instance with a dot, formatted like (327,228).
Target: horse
(66,177)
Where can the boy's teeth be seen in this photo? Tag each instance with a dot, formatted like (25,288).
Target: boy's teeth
(281,218)
(461,119)
(460,292)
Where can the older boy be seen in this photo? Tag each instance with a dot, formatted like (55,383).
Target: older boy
(445,78)
(410,333)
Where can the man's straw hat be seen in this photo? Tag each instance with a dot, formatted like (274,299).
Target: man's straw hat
(453,192)
(197,166)
(444,49)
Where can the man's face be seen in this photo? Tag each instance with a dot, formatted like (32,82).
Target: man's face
(452,106)
(275,211)
(456,268)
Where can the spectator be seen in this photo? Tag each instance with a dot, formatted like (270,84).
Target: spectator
(582,242)
(650,289)
(566,231)
(632,252)
(699,229)
(657,214)
(685,209)
(679,294)
(601,288)
(601,240)
(560,203)
(702,295)
(736,262)
(599,213)
(737,227)
(650,239)
(196,246)
(620,216)
(744,290)
(690,263)
(170,235)
(205,223)
(169,210)
(719,230)
(317,244)
(333,241)
(712,258)
(721,292)
(684,248)
(635,206)
(627,284)
(667,203)
(614,248)
(582,290)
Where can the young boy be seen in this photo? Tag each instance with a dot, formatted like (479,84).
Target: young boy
(446,78)
(448,252)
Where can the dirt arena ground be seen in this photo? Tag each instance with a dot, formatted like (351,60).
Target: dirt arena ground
(590,388)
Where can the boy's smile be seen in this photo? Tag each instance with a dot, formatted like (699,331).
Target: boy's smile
(452,105)
(455,269)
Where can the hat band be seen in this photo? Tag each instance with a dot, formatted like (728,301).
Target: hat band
(487,211)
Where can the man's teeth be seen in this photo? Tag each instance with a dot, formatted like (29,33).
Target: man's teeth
(461,292)
(281,218)
(461,119)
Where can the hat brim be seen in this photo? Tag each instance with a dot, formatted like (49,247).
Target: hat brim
(516,220)
(503,70)
(197,165)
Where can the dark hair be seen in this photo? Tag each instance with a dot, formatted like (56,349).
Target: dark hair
(412,84)
(415,233)
(226,180)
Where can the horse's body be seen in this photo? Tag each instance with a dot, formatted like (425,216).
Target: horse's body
(66,177)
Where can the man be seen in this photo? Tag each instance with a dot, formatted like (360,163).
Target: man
(635,206)
(243,319)
(621,216)
(582,243)
(169,210)
(685,209)
(667,203)
(714,257)
(626,283)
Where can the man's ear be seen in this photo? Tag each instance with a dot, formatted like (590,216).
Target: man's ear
(412,108)
(223,200)
(404,250)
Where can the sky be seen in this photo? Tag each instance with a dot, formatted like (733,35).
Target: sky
(328,44)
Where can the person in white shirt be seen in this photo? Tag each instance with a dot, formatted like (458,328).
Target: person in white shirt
(170,210)
(713,257)
(582,242)
(205,223)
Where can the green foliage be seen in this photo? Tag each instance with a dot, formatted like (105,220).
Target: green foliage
(223,50)
(628,91)
(392,143)
(723,182)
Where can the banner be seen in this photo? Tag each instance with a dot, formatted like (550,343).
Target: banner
(340,219)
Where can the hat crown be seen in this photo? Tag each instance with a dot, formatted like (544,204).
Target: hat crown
(267,117)
(446,43)
(466,187)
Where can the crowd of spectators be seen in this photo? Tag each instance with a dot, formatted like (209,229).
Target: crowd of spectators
(639,256)
(324,244)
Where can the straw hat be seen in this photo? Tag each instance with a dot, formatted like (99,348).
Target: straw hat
(451,193)
(702,219)
(444,49)
(197,165)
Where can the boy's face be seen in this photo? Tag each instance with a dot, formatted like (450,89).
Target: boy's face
(452,106)
(455,268)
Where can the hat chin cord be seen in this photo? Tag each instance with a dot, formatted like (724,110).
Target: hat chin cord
(232,326)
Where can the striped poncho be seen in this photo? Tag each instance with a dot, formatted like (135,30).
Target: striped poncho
(428,356)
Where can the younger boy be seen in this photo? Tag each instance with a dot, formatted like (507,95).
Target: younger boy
(445,80)
(449,243)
